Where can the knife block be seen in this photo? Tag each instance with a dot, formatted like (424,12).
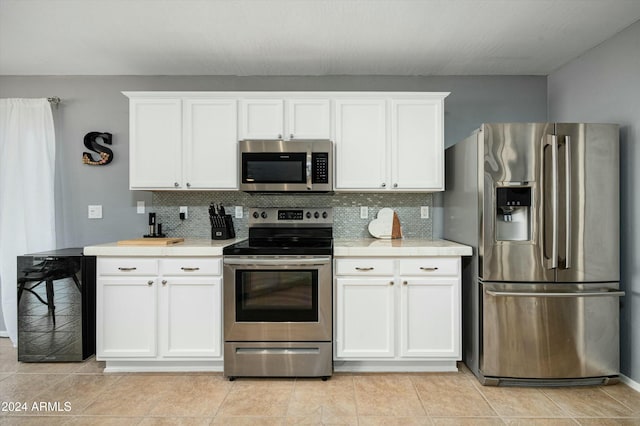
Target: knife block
(224,230)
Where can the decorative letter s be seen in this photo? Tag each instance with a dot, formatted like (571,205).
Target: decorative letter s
(91,140)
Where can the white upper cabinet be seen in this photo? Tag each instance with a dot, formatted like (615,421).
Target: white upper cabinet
(308,119)
(210,144)
(417,145)
(261,118)
(384,141)
(183,143)
(392,144)
(155,128)
(285,118)
(360,138)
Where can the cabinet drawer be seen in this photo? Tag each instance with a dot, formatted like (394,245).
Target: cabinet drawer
(191,266)
(364,266)
(430,266)
(127,266)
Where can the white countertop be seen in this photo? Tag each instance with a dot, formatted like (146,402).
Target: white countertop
(189,247)
(398,247)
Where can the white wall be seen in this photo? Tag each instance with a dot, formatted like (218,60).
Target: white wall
(603,85)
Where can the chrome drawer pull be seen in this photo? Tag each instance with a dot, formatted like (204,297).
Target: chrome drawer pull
(189,269)
(428,269)
(150,282)
(363,269)
(127,269)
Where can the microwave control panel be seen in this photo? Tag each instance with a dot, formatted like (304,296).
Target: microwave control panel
(320,161)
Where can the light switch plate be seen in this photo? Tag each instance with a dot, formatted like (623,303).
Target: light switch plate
(238,212)
(424,212)
(95,212)
(364,212)
(140,207)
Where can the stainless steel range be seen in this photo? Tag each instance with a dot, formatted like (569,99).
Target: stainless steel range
(278,295)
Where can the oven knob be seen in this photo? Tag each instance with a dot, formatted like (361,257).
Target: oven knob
(256,215)
(324,215)
(308,215)
(316,215)
(263,215)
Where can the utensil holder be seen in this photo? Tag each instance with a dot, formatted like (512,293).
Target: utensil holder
(224,230)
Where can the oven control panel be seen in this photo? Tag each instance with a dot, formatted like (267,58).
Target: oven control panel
(287,216)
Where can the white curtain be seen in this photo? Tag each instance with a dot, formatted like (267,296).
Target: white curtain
(27,209)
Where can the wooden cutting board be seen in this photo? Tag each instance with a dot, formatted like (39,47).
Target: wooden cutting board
(150,242)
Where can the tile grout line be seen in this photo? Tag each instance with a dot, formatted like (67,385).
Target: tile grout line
(619,401)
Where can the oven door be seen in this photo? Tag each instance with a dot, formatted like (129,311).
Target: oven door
(277,298)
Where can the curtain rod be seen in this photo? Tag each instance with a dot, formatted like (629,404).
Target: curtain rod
(54,100)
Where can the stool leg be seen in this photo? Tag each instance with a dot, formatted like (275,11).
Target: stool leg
(52,308)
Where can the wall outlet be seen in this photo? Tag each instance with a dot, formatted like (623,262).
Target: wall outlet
(183,209)
(238,212)
(424,212)
(140,207)
(364,212)
(95,212)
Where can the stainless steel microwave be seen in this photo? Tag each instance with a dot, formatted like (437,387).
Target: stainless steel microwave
(286,166)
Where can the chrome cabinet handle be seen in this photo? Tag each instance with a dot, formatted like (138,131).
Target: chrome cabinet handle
(189,269)
(384,185)
(164,282)
(279,135)
(428,269)
(150,282)
(405,282)
(364,269)
(395,185)
(176,184)
(390,282)
(291,136)
(188,185)
(127,269)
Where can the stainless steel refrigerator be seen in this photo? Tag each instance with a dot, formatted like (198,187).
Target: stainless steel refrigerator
(539,204)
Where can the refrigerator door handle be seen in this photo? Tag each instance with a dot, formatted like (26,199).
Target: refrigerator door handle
(607,293)
(567,180)
(552,263)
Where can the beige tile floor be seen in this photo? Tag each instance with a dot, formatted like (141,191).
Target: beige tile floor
(86,396)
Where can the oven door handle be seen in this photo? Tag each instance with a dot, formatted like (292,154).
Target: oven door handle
(320,261)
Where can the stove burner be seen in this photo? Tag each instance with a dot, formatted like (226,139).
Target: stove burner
(275,231)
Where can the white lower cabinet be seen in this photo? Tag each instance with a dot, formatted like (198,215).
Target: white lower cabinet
(159,309)
(397,314)
(365,317)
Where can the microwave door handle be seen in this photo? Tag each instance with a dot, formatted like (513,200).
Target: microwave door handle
(309,157)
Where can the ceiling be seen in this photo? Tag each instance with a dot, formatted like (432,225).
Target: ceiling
(303,37)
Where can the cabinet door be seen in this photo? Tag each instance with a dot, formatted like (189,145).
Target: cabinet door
(261,118)
(361,150)
(126,317)
(155,143)
(417,144)
(365,317)
(191,317)
(210,144)
(308,119)
(430,317)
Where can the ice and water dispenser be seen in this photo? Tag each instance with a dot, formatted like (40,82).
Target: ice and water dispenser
(513,213)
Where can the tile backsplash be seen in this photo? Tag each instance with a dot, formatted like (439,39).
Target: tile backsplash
(346,210)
